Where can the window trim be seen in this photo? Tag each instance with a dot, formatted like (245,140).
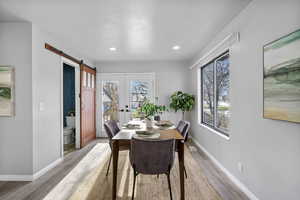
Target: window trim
(202,123)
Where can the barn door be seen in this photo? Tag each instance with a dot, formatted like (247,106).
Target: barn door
(88,104)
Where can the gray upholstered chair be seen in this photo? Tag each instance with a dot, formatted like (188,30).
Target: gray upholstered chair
(183,127)
(152,157)
(111,129)
(113,126)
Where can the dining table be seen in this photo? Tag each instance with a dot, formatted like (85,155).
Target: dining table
(123,140)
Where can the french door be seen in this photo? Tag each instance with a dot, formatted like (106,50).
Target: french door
(119,96)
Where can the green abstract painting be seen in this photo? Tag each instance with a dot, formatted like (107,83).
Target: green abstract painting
(282,78)
(6,91)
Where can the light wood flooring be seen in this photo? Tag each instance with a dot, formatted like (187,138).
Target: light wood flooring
(41,187)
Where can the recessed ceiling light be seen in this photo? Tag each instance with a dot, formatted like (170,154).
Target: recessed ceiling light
(176,47)
(113,49)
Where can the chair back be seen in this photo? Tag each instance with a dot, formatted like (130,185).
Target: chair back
(108,131)
(114,127)
(152,156)
(183,127)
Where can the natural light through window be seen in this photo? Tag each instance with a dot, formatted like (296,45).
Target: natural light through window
(215,101)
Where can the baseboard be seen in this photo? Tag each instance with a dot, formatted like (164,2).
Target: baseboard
(236,181)
(16,177)
(31,177)
(47,168)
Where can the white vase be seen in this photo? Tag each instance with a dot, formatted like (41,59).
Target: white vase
(148,123)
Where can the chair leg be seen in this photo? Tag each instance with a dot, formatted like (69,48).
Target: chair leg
(185,171)
(157,175)
(169,183)
(109,164)
(134,179)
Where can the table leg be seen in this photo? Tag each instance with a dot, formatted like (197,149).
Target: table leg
(181,167)
(115,168)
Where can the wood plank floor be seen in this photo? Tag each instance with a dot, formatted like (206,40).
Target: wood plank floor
(41,187)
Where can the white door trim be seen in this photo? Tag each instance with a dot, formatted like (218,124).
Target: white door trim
(77,103)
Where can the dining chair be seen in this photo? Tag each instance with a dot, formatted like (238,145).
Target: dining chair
(152,157)
(113,126)
(111,129)
(183,127)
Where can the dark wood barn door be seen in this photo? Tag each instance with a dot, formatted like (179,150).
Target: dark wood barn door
(88,104)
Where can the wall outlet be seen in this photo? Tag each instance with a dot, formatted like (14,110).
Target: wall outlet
(240,167)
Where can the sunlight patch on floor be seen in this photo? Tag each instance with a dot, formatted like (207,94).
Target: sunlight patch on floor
(67,188)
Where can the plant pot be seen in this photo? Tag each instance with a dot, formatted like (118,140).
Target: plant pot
(148,123)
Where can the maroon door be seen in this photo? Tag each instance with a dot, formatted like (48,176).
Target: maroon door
(87,104)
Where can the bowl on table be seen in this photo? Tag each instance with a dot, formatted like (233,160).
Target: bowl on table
(132,126)
(164,123)
(147,134)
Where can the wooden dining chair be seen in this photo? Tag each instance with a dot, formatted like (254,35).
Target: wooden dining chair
(183,127)
(111,128)
(152,157)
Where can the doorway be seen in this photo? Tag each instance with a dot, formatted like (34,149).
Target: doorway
(119,96)
(70,107)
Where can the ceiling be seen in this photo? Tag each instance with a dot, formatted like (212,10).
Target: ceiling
(138,29)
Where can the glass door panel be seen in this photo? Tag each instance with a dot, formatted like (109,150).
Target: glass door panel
(110,101)
(139,90)
(139,93)
(121,94)
(111,89)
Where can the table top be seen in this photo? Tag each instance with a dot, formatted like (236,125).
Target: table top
(169,133)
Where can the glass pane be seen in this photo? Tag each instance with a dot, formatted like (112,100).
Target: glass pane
(89,80)
(208,94)
(110,100)
(222,93)
(139,92)
(93,80)
(84,79)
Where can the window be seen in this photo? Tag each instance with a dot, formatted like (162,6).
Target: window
(215,102)
(139,93)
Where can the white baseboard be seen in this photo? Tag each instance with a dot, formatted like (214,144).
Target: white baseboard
(47,168)
(30,177)
(230,176)
(16,178)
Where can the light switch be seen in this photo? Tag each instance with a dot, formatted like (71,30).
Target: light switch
(42,106)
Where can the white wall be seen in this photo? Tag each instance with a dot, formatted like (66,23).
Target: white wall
(170,76)
(46,90)
(46,67)
(31,140)
(269,149)
(16,132)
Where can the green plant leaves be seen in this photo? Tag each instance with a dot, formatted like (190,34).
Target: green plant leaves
(5,92)
(182,101)
(150,109)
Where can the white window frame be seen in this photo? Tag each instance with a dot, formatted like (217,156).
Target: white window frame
(199,95)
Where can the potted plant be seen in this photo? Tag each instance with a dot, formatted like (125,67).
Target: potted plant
(182,101)
(149,110)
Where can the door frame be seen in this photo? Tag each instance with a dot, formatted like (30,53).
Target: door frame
(127,77)
(77,102)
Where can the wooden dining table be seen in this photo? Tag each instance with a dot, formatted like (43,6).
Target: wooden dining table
(123,140)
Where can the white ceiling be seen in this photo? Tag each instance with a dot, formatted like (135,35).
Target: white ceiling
(139,29)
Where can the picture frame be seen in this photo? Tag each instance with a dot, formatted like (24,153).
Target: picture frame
(7,91)
(281,78)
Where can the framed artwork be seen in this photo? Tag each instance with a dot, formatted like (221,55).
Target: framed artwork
(282,78)
(6,91)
